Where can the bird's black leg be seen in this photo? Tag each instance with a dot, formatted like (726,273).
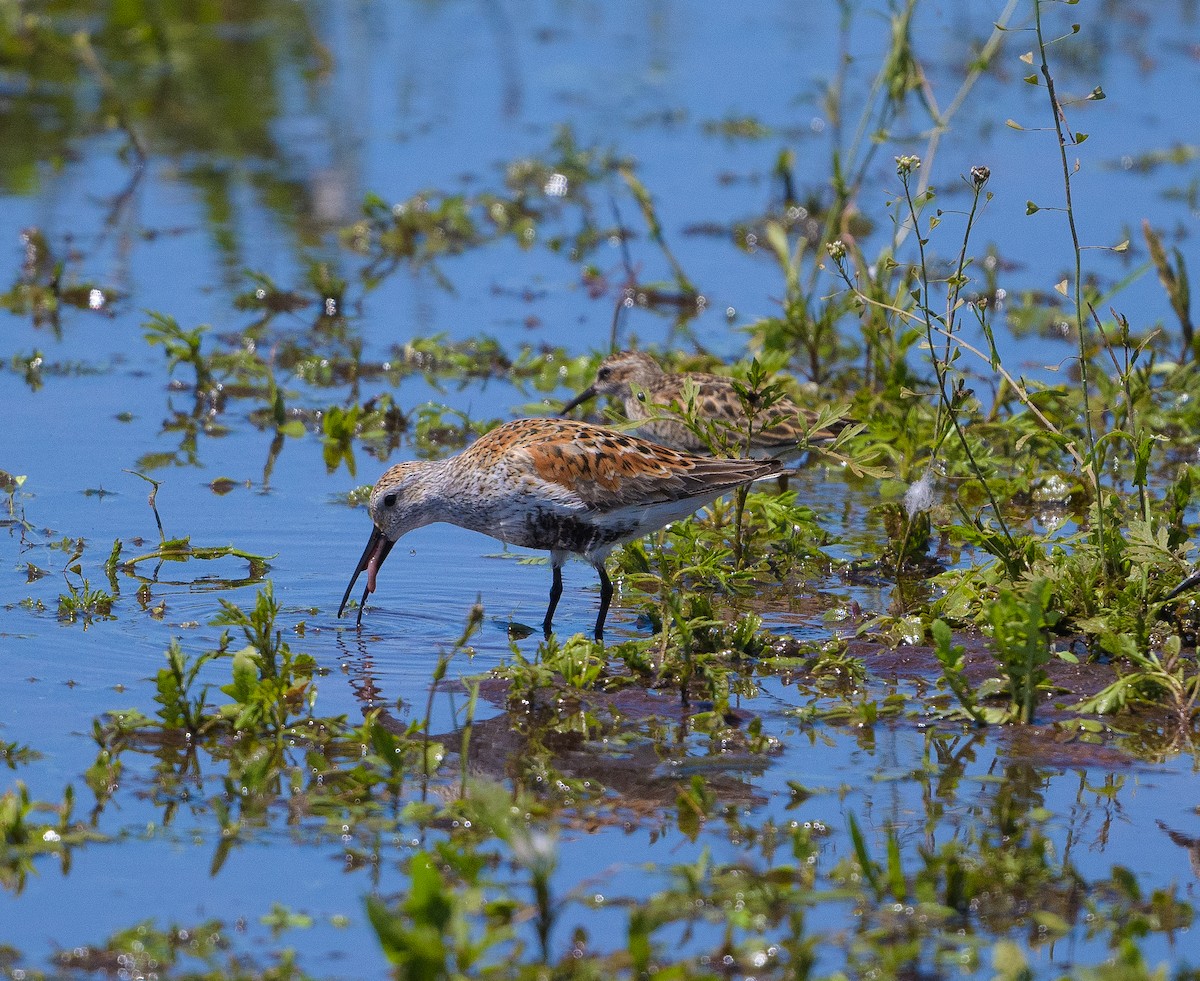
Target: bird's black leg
(555,593)
(606,594)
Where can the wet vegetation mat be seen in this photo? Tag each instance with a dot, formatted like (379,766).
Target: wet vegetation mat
(923,704)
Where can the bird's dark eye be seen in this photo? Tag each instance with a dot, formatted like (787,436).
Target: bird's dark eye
(389,501)
(603,373)
(641,396)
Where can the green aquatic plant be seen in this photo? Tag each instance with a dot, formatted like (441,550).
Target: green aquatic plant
(182,699)
(431,933)
(1150,678)
(238,367)
(1174,279)
(939,326)
(339,426)
(199,951)
(782,537)
(182,550)
(686,291)
(31,366)
(1021,627)
(270,686)
(177,550)
(1101,579)
(24,838)
(14,754)
(266,297)
(444,360)
(805,331)
(270,681)
(440,429)
(378,424)
(455,916)
(81,602)
(45,286)
(577,660)
(951,658)
(275,415)
(433,752)
(323,288)
(817,331)
(182,347)
(921,892)
(263,736)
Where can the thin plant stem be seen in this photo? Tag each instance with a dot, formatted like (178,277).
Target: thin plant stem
(1091,469)
(846,189)
(939,366)
(942,119)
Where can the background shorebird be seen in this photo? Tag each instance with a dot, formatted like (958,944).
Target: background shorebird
(651,396)
(556,484)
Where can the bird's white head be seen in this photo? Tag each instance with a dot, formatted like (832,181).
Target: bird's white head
(400,499)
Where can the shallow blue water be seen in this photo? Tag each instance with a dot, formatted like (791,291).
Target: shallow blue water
(441,96)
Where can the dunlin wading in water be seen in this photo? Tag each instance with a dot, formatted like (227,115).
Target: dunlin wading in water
(556,484)
(650,394)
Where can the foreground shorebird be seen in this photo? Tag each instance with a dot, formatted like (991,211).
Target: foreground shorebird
(556,484)
(645,389)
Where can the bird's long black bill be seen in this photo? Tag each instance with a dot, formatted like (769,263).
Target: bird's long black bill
(378,546)
(1184,586)
(587,393)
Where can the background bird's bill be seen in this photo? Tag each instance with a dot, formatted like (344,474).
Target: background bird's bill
(587,393)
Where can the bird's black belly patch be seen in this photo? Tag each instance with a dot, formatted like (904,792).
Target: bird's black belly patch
(571,533)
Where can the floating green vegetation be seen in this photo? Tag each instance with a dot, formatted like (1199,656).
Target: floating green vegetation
(178,550)
(481,895)
(431,226)
(1025,529)
(182,549)
(83,603)
(738,127)
(264,735)
(14,754)
(45,285)
(24,838)
(200,951)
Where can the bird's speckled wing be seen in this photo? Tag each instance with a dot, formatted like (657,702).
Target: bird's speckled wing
(717,401)
(609,471)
